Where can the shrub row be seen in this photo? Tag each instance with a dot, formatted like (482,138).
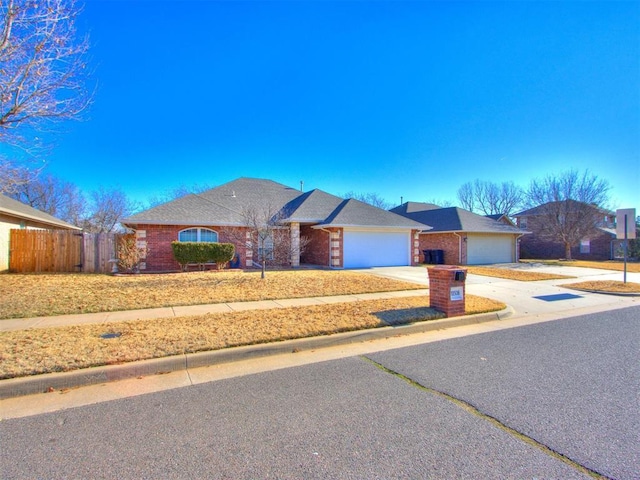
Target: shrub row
(200,253)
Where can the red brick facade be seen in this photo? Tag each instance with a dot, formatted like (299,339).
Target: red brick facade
(441,297)
(158,240)
(324,247)
(449,243)
(601,246)
(317,249)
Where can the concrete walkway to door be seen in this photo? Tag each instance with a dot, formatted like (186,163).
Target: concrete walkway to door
(530,298)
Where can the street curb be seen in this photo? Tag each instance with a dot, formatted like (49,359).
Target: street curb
(49,382)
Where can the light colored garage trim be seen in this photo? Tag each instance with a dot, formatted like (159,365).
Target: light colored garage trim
(487,249)
(376,248)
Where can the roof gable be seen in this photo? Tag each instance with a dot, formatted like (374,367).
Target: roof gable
(413,207)
(312,207)
(354,213)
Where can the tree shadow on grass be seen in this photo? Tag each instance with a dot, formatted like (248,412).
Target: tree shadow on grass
(404,316)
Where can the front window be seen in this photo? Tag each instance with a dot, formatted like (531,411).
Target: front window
(585,246)
(197,235)
(265,251)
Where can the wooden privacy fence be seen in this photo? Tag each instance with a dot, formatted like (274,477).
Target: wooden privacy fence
(61,251)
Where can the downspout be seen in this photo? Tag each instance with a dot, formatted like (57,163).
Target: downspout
(459,248)
(517,259)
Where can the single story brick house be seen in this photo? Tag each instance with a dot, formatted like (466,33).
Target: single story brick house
(600,244)
(338,233)
(16,215)
(464,237)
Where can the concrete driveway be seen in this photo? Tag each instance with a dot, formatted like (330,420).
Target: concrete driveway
(531,298)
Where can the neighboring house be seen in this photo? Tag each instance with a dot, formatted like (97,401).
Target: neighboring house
(339,233)
(502,218)
(14,214)
(599,244)
(465,237)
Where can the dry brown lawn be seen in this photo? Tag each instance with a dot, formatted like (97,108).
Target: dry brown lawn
(608,286)
(58,294)
(514,274)
(36,351)
(633,267)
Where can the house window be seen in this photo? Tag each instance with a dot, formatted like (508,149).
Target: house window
(197,235)
(265,251)
(585,246)
(523,222)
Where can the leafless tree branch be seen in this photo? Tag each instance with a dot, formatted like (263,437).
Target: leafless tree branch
(43,67)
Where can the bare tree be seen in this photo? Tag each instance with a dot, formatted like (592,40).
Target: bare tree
(43,67)
(51,195)
(265,229)
(177,192)
(13,176)
(569,206)
(466,196)
(490,198)
(371,198)
(108,207)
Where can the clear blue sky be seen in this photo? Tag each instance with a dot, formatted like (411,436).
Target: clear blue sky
(406,99)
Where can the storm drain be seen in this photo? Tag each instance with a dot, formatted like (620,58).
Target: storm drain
(109,335)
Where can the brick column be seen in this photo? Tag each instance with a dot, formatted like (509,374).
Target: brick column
(335,247)
(445,292)
(295,244)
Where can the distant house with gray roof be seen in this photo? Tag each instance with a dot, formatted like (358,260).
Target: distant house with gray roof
(17,215)
(337,232)
(462,237)
(599,242)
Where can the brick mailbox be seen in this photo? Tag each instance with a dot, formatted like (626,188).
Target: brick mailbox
(446,289)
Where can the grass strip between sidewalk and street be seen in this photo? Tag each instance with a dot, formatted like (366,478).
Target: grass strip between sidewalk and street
(615,265)
(58,349)
(606,286)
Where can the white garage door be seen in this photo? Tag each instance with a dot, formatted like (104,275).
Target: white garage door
(485,249)
(376,249)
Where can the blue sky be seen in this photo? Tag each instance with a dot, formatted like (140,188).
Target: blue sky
(404,99)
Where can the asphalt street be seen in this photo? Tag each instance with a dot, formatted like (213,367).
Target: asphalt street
(551,400)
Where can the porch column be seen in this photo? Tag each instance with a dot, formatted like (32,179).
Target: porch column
(295,244)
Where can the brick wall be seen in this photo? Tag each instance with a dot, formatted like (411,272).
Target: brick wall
(535,246)
(443,241)
(441,281)
(317,250)
(158,243)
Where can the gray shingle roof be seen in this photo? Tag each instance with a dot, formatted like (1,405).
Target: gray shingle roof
(224,205)
(14,208)
(354,213)
(312,207)
(566,204)
(453,219)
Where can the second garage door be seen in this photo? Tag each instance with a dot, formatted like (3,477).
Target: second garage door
(486,249)
(376,249)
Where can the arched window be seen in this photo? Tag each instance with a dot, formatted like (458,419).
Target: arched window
(197,235)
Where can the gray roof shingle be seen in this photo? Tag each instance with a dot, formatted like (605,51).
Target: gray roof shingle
(354,213)
(18,209)
(224,205)
(453,219)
